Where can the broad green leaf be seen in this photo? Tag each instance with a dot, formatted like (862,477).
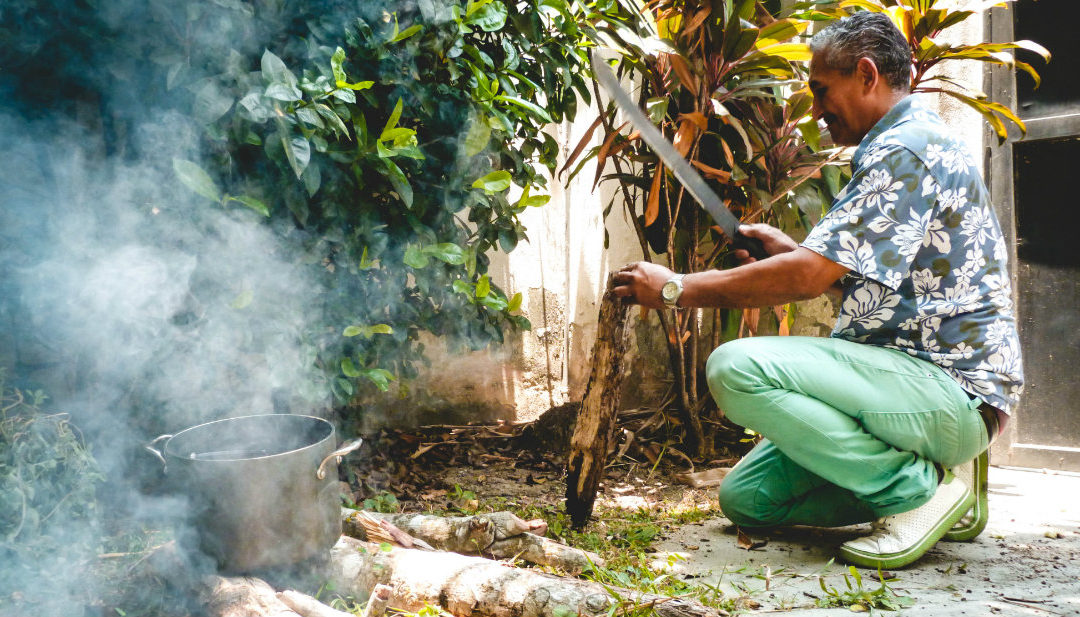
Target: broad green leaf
(391,124)
(349,368)
(447,252)
(367,331)
(515,303)
(298,151)
(335,121)
(489,16)
(365,263)
(483,286)
(360,85)
(406,33)
(211,103)
(275,71)
(400,182)
(335,65)
(779,31)
(415,257)
(249,202)
(795,52)
(197,180)
(477,137)
(531,107)
(380,377)
(283,92)
(657,108)
(345,386)
(494,182)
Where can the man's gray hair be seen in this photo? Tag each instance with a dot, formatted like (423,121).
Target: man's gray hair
(866,34)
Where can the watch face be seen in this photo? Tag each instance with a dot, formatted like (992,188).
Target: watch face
(669,290)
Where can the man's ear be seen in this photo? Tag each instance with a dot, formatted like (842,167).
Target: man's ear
(868,73)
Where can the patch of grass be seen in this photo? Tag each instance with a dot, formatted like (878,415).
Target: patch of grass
(858,598)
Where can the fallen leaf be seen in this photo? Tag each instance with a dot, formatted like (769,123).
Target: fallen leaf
(746,543)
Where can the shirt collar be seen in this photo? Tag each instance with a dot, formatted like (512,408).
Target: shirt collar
(894,116)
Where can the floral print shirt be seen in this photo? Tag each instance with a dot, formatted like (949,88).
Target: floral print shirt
(927,257)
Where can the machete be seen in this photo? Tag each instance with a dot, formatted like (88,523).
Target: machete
(690,179)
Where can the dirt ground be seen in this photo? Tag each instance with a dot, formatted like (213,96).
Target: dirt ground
(1027,562)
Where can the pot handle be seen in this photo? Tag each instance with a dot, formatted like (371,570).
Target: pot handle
(150,448)
(320,473)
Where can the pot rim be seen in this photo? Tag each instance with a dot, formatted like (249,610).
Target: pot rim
(165,450)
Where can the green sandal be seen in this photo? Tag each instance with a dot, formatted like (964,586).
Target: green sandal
(972,473)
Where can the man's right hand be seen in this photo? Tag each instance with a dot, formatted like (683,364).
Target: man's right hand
(774,241)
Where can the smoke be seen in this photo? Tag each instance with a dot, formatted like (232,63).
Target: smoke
(139,307)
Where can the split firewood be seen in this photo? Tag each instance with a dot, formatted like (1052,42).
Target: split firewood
(382,530)
(308,606)
(594,433)
(467,586)
(243,596)
(501,535)
(380,597)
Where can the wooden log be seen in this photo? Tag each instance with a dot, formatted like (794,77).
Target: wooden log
(466,586)
(243,596)
(543,551)
(594,434)
(307,606)
(376,604)
(501,535)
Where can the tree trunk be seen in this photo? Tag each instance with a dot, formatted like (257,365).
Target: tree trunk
(476,587)
(593,435)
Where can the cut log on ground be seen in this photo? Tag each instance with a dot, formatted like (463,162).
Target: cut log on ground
(307,606)
(243,596)
(501,535)
(594,433)
(467,586)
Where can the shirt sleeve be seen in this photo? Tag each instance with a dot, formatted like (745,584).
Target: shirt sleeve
(882,218)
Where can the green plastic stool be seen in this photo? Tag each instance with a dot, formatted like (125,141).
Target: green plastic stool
(972,524)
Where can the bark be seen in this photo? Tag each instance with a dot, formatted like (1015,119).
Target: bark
(594,434)
(307,606)
(501,535)
(243,596)
(376,604)
(466,586)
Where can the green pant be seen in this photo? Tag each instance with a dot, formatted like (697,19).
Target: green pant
(851,431)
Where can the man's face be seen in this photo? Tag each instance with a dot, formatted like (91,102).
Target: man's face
(842,100)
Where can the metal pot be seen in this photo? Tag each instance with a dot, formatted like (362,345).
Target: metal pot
(263,488)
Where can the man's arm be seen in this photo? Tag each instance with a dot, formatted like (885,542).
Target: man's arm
(792,273)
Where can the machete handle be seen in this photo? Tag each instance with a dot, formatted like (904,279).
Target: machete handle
(750,245)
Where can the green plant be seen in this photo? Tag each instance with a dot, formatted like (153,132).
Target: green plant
(923,22)
(723,81)
(383,502)
(390,143)
(858,598)
(48,503)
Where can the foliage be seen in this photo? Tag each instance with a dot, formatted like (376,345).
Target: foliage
(390,146)
(725,81)
(860,599)
(923,22)
(48,507)
(726,87)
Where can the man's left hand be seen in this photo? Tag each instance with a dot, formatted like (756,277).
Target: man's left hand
(640,283)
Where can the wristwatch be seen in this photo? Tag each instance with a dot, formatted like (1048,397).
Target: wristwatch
(671,291)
